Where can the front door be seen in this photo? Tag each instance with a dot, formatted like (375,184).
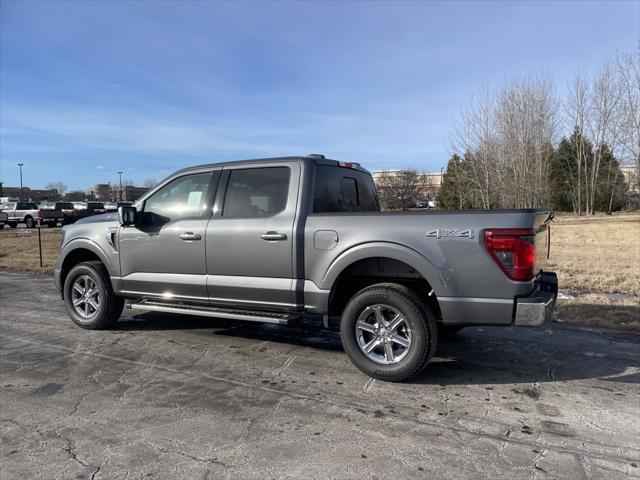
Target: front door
(163,256)
(250,241)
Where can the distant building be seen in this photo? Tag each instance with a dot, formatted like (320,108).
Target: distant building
(129,193)
(133,193)
(630,173)
(431,190)
(101,191)
(31,195)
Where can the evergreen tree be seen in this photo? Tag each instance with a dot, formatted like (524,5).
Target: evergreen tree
(610,194)
(454,192)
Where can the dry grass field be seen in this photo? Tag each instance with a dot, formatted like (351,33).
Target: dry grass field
(597,260)
(598,264)
(19,249)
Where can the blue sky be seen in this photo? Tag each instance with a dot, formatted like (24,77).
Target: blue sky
(87,89)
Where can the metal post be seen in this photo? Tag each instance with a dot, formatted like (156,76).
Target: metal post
(120,192)
(21,194)
(40,245)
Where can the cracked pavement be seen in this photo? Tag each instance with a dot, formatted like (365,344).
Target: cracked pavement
(163,396)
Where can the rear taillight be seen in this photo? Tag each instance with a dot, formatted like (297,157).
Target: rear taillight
(74,213)
(40,214)
(513,250)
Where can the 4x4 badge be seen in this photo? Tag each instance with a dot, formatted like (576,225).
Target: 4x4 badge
(446,232)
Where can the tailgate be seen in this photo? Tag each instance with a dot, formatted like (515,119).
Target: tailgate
(542,240)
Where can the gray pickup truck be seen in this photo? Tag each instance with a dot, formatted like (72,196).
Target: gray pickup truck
(272,240)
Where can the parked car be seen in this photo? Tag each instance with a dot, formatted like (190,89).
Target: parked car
(30,214)
(113,206)
(95,208)
(418,203)
(20,212)
(68,211)
(4,219)
(88,209)
(50,217)
(272,240)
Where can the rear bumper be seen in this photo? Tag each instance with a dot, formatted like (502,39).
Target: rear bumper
(537,307)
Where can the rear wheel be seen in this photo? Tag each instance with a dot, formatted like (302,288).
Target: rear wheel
(388,332)
(89,297)
(52,224)
(1,226)
(30,222)
(13,224)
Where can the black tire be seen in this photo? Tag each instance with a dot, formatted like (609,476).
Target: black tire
(52,224)
(420,320)
(30,222)
(1,226)
(110,305)
(13,224)
(448,331)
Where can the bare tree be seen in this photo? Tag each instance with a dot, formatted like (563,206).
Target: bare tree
(577,106)
(59,186)
(507,139)
(399,187)
(628,66)
(595,110)
(150,182)
(475,136)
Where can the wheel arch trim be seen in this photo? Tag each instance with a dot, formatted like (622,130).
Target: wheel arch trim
(390,250)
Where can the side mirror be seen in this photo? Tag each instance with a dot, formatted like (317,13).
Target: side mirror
(127,216)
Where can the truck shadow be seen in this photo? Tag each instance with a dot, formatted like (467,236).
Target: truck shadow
(475,356)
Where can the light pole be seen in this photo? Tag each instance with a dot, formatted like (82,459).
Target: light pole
(120,191)
(21,195)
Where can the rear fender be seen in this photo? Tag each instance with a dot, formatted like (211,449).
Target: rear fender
(386,250)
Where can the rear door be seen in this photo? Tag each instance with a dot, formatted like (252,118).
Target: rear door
(250,238)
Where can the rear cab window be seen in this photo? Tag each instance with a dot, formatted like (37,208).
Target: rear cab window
(340,189)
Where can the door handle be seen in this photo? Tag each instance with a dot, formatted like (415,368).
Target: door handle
(273,236)
(189,236)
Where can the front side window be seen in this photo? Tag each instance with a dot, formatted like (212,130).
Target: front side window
(181,198)
(256,192)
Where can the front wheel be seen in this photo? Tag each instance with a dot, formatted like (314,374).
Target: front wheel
(388,332)
(89,297)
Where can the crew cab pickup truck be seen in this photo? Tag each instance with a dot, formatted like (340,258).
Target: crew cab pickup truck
(272,240)
(30,214)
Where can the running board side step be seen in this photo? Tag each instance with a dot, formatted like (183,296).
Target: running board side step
(227,313)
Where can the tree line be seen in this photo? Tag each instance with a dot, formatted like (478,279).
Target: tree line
(507,153)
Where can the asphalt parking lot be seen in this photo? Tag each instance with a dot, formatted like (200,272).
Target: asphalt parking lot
(162,396)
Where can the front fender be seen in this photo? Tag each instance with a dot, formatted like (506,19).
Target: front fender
(92,246)
(391,250)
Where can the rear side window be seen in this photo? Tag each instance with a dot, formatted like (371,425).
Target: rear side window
(341,189)
(256,192)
